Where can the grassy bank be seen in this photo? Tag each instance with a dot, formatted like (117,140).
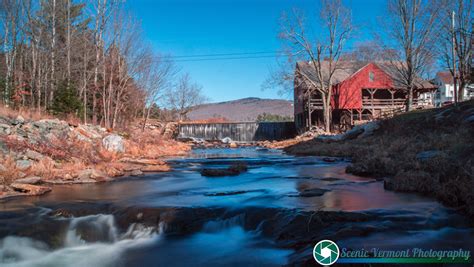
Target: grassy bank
(424,151)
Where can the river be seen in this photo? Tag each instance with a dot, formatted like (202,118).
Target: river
(270,215)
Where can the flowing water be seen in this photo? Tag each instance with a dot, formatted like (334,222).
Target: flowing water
(221,221)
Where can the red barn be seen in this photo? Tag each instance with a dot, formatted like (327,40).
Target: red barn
(360,92)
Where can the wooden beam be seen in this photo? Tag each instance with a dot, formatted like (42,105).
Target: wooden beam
(352,117)
(392,93)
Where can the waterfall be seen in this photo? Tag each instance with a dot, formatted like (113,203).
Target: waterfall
(92,240)
(222,224)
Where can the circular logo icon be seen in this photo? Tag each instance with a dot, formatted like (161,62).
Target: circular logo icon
(326,252)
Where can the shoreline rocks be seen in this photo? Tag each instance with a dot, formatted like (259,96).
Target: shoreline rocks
(52,151)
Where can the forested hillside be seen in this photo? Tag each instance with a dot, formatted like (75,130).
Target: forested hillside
(85,59)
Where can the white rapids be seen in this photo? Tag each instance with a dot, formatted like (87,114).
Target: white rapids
(106,250)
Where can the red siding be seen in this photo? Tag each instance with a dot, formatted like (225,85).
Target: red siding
(348,94)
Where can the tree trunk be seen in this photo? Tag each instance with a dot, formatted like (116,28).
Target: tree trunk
(327,116)
(309,113)
(68,43)
(461,84)
(409,106)
(94,108)
(53,53)
(146,117)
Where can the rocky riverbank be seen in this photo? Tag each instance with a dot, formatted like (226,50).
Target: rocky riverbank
(35,154)
(424,151)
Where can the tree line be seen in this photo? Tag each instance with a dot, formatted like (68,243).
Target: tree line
(414,37)
(87,59)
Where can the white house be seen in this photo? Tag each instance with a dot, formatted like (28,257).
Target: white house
(445,92)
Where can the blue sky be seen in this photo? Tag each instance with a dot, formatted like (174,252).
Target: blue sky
(187,28)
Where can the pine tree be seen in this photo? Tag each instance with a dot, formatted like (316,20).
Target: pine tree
(66,100)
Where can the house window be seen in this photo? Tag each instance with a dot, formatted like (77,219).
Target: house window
(371,76)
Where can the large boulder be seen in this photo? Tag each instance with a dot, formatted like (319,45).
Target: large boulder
(369,129)
(47,129)
(31,154)
(92,175)
(170,130)
(5,129)
(19,120)
(114,143)
(23,164)
(359,131)
(51,124)
(29,180)
(91,131)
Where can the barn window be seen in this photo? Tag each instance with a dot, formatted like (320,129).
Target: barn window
(371,76)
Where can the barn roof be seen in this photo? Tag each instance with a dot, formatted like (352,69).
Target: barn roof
(344,71)
(348,68)
(395,70)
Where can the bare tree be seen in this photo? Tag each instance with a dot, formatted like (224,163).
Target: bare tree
(55,46)
(412,25)
(11,13)
(156,81)
(462,41)
(370,51)
(323,49)
(185,96)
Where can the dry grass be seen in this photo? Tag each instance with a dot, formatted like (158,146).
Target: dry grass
(44,168)
(55,149)
(26,113)
(33,114)
(392,152)
(9,173)
(150,144)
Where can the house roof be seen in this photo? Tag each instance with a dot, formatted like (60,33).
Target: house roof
(445,76)
(347,68)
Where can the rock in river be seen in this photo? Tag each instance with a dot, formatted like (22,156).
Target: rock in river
(30,189)
(311,192)
(92,174)
(136,173)
(233,170)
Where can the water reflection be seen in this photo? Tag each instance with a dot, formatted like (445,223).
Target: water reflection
(273,180)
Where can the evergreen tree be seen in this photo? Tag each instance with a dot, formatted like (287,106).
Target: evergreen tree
(66,100)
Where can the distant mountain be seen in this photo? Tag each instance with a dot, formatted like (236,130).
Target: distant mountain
(245,109)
